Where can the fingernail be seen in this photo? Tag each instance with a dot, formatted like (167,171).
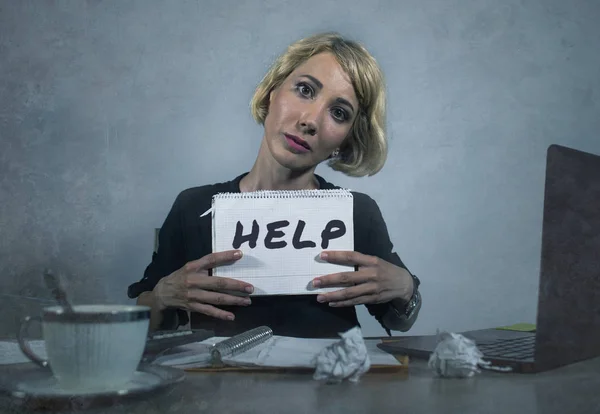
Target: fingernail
(333,304)
(320,298)
(249,289)
(316,283)
(247,302)
(237,254)
(324,255)
(230,317)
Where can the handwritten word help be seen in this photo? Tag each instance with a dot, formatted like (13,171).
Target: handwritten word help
(275,233)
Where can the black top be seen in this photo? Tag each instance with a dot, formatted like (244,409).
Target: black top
(185,236)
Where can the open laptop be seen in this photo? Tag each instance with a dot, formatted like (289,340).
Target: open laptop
(568,310)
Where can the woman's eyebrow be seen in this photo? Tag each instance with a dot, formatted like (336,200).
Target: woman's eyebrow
(345,102)
(315,80)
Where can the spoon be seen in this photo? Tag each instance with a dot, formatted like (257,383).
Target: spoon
(57,291)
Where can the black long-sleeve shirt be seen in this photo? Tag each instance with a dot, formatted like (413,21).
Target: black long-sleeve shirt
(185,236)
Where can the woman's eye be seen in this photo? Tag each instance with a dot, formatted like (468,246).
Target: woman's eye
(339,114)
(305,90)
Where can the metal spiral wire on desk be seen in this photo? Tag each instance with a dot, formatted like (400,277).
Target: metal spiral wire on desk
(239,343)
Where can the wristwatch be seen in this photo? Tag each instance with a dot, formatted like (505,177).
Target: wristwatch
(413,303)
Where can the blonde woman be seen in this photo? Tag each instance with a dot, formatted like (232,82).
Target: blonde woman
(323,100)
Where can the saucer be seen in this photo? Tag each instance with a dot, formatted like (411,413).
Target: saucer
(38,387)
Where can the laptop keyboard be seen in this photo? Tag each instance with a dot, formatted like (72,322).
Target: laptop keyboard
(517,348)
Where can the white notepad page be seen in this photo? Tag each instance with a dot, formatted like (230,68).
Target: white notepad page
(278,351)
(275,265)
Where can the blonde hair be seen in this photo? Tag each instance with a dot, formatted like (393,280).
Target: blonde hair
(364,152)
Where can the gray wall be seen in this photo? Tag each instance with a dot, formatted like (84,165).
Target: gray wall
(109,108)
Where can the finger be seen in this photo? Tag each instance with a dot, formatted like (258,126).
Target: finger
(343,279)
(213,260)
(217,283)
(211,311)
(221,284)
(214,298)
(361,300)
(347,294)
(349,258)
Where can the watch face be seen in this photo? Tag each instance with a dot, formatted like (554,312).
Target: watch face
(412,304)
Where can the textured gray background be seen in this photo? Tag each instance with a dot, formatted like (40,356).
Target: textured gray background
(109,108)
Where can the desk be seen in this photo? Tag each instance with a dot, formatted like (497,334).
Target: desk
(568,390)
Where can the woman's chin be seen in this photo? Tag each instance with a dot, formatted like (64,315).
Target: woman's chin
(294,162)
(297,166)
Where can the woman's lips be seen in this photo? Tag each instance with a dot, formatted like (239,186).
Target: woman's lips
(297,143)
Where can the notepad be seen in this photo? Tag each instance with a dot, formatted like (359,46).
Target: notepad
(281,234)
(276,352)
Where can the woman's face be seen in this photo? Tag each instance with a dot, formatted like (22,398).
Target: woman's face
(310,114)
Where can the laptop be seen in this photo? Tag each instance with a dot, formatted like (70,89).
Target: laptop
(568,310)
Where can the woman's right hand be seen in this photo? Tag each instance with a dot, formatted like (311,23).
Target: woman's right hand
(192,288)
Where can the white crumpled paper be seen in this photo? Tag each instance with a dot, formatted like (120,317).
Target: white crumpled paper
(346,359)
(455,356)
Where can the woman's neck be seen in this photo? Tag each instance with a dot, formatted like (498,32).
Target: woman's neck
(268,174)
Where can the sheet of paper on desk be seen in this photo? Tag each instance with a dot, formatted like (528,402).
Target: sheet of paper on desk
(281,234)
(279,351)
(10,353)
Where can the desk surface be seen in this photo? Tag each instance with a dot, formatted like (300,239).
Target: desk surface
(572,389)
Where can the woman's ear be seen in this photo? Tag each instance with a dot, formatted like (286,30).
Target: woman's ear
(334,154)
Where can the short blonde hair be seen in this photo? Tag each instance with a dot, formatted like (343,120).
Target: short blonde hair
(365,150)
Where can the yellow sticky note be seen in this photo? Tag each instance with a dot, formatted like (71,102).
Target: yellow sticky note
(522,327)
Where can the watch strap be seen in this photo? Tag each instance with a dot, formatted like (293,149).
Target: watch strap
(414,302)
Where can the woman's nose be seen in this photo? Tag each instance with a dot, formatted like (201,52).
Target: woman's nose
(308,127)
(310,119)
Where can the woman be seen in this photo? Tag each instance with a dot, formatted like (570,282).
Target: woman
(322,100)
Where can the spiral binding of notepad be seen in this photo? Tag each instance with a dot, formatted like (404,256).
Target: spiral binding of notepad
(239,343)
(279,194)
(338,192)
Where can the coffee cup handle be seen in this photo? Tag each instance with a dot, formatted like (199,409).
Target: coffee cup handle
(24,345)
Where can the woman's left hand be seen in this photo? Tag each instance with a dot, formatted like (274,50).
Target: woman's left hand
(375,281)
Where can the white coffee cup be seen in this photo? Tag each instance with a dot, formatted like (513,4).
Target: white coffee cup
(95,347)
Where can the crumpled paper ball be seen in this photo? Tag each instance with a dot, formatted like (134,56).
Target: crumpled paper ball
(456,356)
(345,359)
